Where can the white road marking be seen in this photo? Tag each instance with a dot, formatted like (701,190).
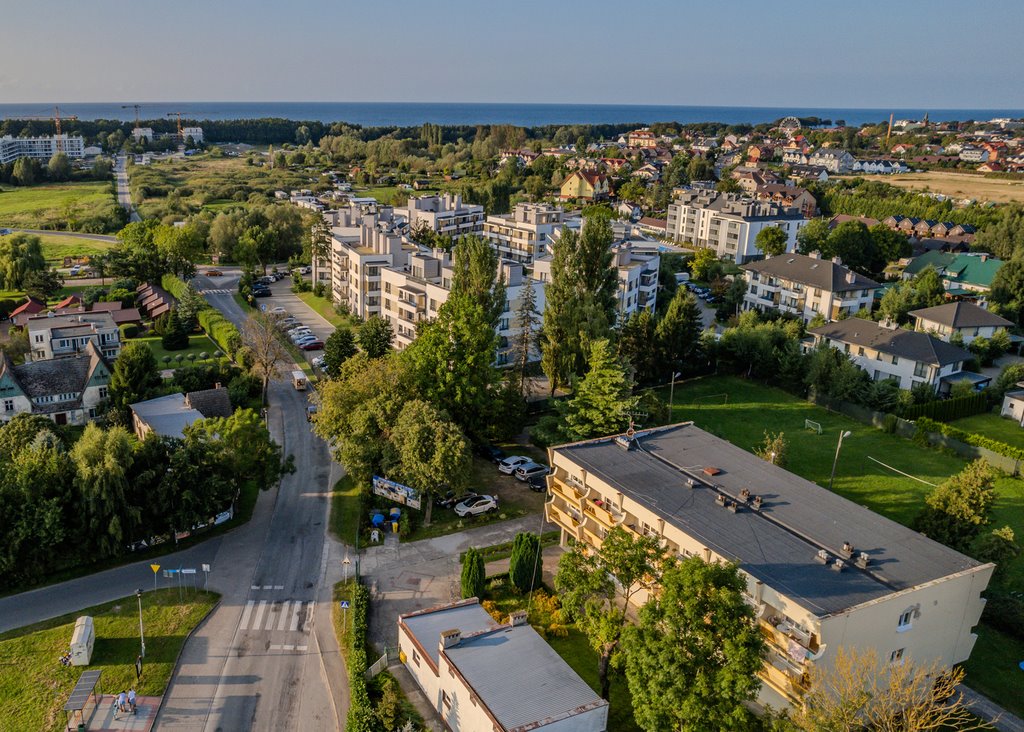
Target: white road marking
(287,648)
(254,587)
(295,616)
(278,587)
(301,648)
(270,617)
(284,615)
(245,615)
(275,647)
(309,617)
(268,587)
(259,615)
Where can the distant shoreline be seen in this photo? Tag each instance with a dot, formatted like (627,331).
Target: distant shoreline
(411,114)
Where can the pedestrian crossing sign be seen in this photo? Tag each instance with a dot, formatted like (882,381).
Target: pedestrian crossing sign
(344,604)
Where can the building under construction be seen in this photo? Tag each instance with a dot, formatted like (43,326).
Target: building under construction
(42,148)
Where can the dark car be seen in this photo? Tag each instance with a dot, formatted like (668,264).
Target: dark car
(313,346)
(492,453)
(537,483)
(261,292)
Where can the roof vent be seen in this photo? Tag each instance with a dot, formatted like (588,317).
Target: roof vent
(745,495)
(814,266)
(691,483)
(838,565)
(790,260)
(732,506)
(517,618)
(863,560)
(711,470)
(720,499)
(756,501)
(847,548)
(823,556)
(625,442)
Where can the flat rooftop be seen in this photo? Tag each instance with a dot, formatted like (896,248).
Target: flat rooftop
(777,544)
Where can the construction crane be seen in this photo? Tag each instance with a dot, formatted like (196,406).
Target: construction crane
(56,117)
(136,107)
(888,133)
(172,114)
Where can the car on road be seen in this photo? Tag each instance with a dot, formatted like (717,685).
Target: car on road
(476,506)
(4,232)
(509,464)
(530,469)
(317,345)
(213,273)
(75,270)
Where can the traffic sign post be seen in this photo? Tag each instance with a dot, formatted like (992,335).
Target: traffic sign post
(346,562)
(206,580)
(155,568)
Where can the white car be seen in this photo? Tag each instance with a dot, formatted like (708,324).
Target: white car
(476,506)
(303,340)
(279,311)
(509,464)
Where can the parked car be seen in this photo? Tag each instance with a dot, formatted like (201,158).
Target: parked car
(537,483)
(476,506)
(492,453)
(509,464)
(302,335)
(450,499)
(279,311)
(318,362)
(316,345)
(304,339)
(266,280)
(527,471)
(261,292)
(213,273)
(4,232)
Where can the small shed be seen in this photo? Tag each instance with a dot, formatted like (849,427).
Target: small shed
(82,641)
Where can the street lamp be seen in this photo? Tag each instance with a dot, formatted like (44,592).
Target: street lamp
(672,394)
(836,460)
(142,637)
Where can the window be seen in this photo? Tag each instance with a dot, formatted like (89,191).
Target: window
(920,369)
(8,405)
(445,699)
(860,350)
(896,656)
(905,621)
(103,392)
(415,658)
(895,360)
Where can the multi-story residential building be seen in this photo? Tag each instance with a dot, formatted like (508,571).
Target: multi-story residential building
(909,357)
(965,320)
(483,675)
(524,234)
(64,336)
(444,214)
(196,133)
(142,133)
(788,196)
(68,391)
(807,286)
(832,160)
(586,186)
(881,166)
(822,572)
(40,148)
(728,223)
(641,138)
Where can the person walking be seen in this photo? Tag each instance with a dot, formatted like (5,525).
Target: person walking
(122,702)
(131,700)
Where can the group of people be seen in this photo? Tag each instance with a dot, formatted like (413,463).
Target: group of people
(126,701)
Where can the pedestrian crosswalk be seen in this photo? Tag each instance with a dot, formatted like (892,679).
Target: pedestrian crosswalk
(218,291)
(280,615)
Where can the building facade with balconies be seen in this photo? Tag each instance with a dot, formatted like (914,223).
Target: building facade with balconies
(524,234)
(444,214)
(65,336)
(807,286)
(822,572)
(40,148)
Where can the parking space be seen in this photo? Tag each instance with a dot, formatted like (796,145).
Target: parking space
(291,305)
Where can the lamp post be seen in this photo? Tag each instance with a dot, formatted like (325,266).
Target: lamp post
(836,460)
(142,637)
(672,395)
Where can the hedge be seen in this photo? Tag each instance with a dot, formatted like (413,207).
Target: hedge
(930,425)
(361,717)
(129,330)
(221,330)
(173,284)
(946,410)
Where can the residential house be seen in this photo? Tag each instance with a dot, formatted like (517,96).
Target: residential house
(880,166)
(965,320)
(63,336)
(788,196)
(483,675)
(68,391)
(525,233)
(650,225)
(585,186)
(963,275)
(992,167)
(808,173)
(31,307)
(909,357)
(444,214)
(832,159)
(1013,404)
(973,154)
(821,572)
(641,138)
(728,223)
(807,286)
(169,415)
(648,172)
(760,153)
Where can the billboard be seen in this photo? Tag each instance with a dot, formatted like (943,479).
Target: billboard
(396,492)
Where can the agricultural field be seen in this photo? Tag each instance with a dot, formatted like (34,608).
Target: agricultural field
(962,185)
(87,207)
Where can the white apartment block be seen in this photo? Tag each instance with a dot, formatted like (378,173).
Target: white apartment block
(142,133)
(444,214)
(727,223)
(358,255)
(40,148)
(832,160)
(64,336)
(807,286)
(524,234)
(822,573)
(196,133)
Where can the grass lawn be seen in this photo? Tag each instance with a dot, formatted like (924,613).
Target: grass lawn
(993,669)
(962,185)
(56,247)
(325,308)
(49,206)
(345,518)
(197,344)
(34,686)
(993,426)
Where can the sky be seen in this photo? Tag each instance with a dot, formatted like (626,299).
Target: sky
(828,53)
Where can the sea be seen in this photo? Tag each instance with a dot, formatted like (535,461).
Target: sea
(408,114)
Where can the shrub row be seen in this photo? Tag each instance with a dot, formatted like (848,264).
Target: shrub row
(929,425)
(361,717)
(174,285)
(946,410)
(221,330)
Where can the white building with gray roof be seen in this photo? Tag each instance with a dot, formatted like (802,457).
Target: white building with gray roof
(483,675)
(68,391)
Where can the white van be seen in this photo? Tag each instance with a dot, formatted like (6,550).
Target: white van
(299,380)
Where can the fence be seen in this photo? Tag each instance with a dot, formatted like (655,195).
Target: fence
(946,410)
(379,665)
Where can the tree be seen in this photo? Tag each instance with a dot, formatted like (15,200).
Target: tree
(134,376)
(773,448)
(957,510)
(602,401)
(20,432)
(20,255)
(475,275)
(178,248)
(1008,289)
(259,332)
(861,691)
(525,567)
(189,305)
(889,245)
(693,658)
(678,335)
(772,241)
(637,346)
(812,236)
(374,336)
(524,338)
(474,576)
(43,284)
(103,459)
(1004,237)
(242,446)
(175,336)
(338,348)
(25,172)
(705,264)
(136,254)
(59,167)
(852,243)
(595,586)
(1000,547)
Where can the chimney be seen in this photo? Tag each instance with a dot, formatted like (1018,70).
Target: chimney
(836,260)
(815,255)
(517,618)
(850,277)
(450,638)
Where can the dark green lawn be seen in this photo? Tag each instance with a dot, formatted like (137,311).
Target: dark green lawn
(993,669)
(993,426)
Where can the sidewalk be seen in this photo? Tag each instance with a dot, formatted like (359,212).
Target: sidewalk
(106,718)
(991,712)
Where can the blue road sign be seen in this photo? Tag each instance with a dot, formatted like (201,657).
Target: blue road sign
(344,604)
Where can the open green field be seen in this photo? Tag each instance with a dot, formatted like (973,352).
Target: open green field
(33,684)
(962,185)
(59,206)
(325,308)
(993,426)
(197,344)
(56,247)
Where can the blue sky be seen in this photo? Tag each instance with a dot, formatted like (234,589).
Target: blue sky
(829,53)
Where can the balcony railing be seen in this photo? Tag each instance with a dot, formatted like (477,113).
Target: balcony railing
(565,490)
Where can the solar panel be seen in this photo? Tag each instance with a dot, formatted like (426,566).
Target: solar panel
(83,690)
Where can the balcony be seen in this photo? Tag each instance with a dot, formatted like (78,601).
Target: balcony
(784,635)
(788,683)
(602,512)
(560,516)
(592,538)
(564,491)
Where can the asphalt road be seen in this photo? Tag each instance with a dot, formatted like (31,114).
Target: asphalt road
(123,194)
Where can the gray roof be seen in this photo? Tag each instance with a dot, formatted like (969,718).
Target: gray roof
(811,271)
(514,672)
(210,402)
(778,544)
(912,345)
(167,415)
(60,376)
(426,626)
(961,315)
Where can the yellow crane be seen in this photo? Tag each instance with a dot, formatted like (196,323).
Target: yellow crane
(178,114)
(137,108)
(56,117)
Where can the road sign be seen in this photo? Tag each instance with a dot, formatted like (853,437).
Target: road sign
(138,667)
(206,567)
(188,571)
(344,604)
(155,568)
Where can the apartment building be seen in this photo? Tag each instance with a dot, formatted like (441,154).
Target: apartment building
(728,223)
(40,148)
(524,234)
(444,214)
(822,572)
(359,252)
(63,336)
(68,391)
(964,319)
(909,357)
(196,133)
(807,286)
(483,675)
(832,160)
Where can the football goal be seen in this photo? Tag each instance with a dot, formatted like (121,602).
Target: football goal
(810,424)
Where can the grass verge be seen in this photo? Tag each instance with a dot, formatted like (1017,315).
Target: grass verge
(993,668)
(504,550)
(34,686)
(993,426)
(346,506)
(326,310)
